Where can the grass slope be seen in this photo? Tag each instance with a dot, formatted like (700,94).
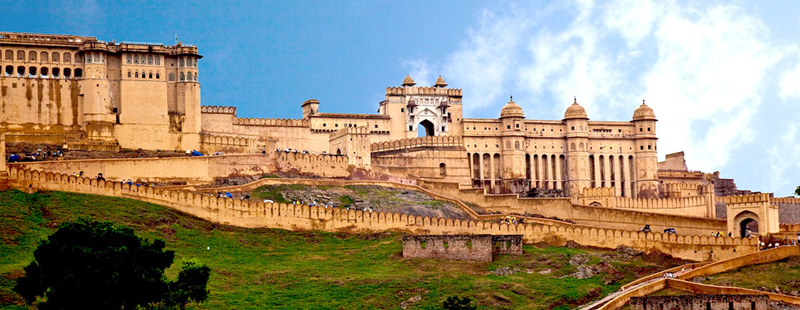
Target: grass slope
(783,274)
(278,269)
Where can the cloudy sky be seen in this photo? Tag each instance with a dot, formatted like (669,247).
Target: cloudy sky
(722,77)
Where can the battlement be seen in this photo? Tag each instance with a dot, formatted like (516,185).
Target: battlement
(218,109)
(745,198)
(350,131)
(789,199)
(281,122)
(212,143)
(419,142)
(684,174)
(37,38)
(597,192)
(402,91)
(261,214)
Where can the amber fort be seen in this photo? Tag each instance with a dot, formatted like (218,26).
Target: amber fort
(599,182)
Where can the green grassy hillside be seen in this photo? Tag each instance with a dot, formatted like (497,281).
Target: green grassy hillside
(278,269)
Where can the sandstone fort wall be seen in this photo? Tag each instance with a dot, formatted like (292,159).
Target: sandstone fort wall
(300,217)
(196,169)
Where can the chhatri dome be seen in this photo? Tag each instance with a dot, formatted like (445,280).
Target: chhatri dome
(408,81)
(440,82)
(511,109)
(643,112)
(575,111)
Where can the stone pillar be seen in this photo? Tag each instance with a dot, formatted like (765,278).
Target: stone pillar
(481,173)
(607,171)
(597,181)
(491,172)
(624,165)
(549,169)
(541,169)
(617,176)
(558,178)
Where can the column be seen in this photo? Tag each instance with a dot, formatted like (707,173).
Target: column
(626,176)
(597,181)
(617,176)
(491,172)
(607,170)
(549,169)
(557,162)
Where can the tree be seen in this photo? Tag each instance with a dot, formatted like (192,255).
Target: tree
(797,190)
(88,264)
(458,303)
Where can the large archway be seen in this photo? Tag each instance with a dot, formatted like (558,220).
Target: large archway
(425,128)
(746,224)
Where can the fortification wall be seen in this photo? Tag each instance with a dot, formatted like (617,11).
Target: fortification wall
(197,169)
(439,158)
(708,302)
(761,257)
(586,215)
(301,217)
(695,206)
(210,143)
(457,247)
(48,103)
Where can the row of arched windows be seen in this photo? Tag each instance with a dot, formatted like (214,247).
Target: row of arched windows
(187,62)
(188,77)
(143,59)
(144,75)
(39,57)
(44,72)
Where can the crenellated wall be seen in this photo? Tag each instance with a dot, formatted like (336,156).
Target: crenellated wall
(694,205)
(197,169)
(301,217)
(414,143)
(563,208)
(210,143)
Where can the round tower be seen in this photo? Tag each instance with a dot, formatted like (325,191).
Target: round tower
(512,167)
(646,164)
(577,124)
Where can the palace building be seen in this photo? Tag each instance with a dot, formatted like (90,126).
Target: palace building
(95,95)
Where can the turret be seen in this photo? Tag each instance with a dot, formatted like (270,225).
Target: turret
(577,124)
(646,165)
(310,107)
(513,168)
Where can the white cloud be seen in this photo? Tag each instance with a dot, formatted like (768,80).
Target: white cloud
(420,71)
(790,83)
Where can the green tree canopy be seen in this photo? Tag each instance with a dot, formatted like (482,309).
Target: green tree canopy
(88,264)
(797,190)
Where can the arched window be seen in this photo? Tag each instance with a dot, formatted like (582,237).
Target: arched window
(136,59)
(158,76)
(150,59)
(32,72)
(56,72)
(20,55)
(78,73)
(150,75)
(183,77)
(195,76)
(89,58)
(442,169)
(180,62)
(137,74)
(67,57)
(128,60)
(158,60)
(56,57)
(129,73)
(44,72)
(172,77)
(9,55)
(9,70)
(32,55)
(67,73)
(516,145)
(44,57)
(20,71)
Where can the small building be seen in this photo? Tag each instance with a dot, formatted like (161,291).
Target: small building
(701,302)
(461,247)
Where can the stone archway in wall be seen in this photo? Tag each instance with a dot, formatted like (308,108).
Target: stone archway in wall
(425,129)
(338,151)
(745,220)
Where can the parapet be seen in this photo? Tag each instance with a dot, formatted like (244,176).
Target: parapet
(597,192)
(218,109)
(271,122)
(745,198)
(402,91)
(349,131)
(410,143)
(701,301)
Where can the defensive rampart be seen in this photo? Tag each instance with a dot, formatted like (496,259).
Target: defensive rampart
(197,169)
(210,143)
(696,206)
(415,143)
(301,217)
(587,215)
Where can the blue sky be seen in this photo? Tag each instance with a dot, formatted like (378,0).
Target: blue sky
(723,77)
